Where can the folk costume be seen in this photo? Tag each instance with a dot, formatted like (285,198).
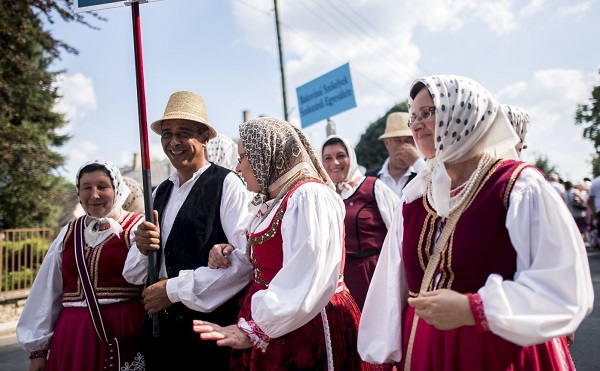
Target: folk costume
(56,316)
(370,206)
(297,311)
(507,241)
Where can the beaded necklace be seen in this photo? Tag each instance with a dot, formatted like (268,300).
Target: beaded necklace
(469,186)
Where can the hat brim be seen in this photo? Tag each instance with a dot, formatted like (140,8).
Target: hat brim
(397,133)
(156,126)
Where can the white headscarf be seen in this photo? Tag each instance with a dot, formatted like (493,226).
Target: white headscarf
(222,151)
(519,119)
(92,231)
(468,122)
(353,169)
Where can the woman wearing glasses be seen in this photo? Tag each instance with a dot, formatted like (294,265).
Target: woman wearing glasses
(483,259)
(297,313)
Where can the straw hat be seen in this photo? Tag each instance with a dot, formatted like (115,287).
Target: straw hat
(187,106)
(396,126)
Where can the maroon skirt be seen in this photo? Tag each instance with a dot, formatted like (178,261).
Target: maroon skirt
(75,346)
(467,348)
(306,347)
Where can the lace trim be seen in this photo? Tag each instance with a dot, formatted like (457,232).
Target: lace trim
(327,339)
(38,354)
(476,303)
(258,338)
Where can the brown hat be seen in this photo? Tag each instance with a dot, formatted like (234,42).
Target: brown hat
(396,126)
(184,105)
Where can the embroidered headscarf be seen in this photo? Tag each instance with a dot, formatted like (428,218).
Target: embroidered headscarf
(277,152)
(468,122)
(121,193)
(519,119)
(353,169)
(222,150)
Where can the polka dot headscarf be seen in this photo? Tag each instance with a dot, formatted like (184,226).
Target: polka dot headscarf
(468,122)
(519,119)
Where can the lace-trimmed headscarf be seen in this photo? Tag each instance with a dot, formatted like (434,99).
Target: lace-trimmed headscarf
(468,122)
(519,119)
(278,152)
(353,169)
(121,193)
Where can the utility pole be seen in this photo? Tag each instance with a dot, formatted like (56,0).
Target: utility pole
(285,110)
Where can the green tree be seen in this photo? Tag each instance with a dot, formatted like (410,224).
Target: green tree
(588,115)
(370,151)
(30,191)
(542,163)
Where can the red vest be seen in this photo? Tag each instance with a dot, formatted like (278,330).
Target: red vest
(480,244)
(105,264)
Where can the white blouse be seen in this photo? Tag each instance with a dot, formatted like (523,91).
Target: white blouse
(549,296)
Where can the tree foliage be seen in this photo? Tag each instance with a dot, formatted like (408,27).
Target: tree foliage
(588,115)
(30,191)
(542,163)
(370,151)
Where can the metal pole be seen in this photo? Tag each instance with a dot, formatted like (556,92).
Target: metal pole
(146,180)
(285,110)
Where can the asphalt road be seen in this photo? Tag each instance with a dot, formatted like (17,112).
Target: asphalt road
(585,351)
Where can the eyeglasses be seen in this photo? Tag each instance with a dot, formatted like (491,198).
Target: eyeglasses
(423,115)
(240,157)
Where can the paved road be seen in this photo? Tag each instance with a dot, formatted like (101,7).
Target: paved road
(585,350)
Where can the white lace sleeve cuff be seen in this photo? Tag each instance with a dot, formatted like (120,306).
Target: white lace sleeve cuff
(258,338)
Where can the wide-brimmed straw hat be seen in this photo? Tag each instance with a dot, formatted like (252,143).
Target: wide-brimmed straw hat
(185,105)
(396,126)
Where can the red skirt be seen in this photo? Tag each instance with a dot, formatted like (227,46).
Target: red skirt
(75,346)
(467,348)
(306,347)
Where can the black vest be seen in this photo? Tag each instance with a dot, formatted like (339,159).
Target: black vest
(197,228)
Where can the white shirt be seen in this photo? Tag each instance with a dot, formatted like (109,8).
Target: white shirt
(550,295)
(595,192)
(387,179)
(202,289)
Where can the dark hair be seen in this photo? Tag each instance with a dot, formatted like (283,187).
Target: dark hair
(416,89)
(332,141)
(90,169)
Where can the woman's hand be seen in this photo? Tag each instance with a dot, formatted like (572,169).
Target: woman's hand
(147,235)
(443,309)
(229,336)
(217,257)
(37,364)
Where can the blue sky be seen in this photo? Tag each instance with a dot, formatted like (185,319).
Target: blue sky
(539,54)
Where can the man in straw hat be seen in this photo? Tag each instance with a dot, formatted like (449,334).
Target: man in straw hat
(404,161)
(196,208)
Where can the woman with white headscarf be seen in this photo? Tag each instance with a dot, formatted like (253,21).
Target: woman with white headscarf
(483,260)
(56,315)
(370,205)
(297,312)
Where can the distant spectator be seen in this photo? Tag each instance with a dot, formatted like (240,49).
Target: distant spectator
(556,183)
(577,207)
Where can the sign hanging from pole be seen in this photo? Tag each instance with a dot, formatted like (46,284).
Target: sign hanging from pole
(326,96)
(91,5)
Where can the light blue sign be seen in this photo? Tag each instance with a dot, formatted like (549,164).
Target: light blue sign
(326,96)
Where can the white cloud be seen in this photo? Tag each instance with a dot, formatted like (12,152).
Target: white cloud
(574,10)
(77,97)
